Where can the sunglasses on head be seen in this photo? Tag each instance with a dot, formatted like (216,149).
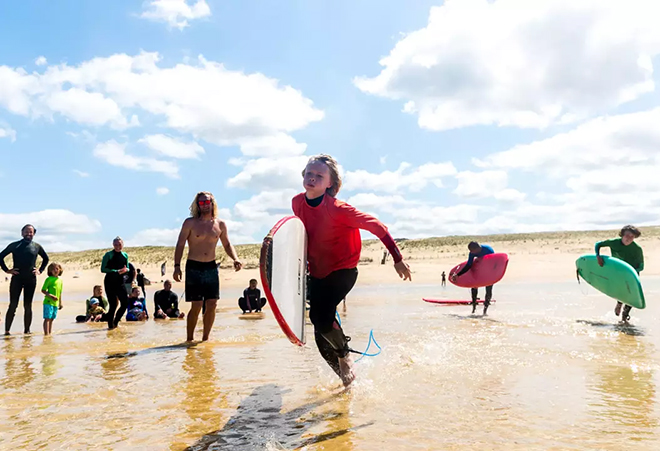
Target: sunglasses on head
(204,202)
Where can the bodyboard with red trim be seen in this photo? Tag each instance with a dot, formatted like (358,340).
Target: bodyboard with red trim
(283,268)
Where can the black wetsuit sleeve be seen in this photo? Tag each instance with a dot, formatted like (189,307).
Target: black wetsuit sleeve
(44,259)
(467,266)
(8,250)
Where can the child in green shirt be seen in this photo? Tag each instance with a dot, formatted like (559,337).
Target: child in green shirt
(625,249)
(52,290)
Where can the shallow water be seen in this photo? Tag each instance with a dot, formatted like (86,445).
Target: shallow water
(547,369)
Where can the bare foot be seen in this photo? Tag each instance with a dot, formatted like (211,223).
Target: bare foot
(346,370)
(205,338)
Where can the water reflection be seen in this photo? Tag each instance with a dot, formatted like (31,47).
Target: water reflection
(203,399)
(18,367)
(627,392)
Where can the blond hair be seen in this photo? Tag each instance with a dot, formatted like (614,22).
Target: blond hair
(194,207)
(333,166)
(55,270)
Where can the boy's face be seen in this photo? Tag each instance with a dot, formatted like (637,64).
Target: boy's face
(628,238)
(98,292)
(316,179)
(253,284)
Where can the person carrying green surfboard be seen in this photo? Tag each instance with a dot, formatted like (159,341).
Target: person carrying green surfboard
(625,249)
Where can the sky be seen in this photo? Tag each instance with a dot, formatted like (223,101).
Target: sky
(447,118)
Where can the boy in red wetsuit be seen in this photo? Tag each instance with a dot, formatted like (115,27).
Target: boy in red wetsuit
(333,252)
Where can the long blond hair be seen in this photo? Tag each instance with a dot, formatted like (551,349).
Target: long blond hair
(194,207)
(333,166)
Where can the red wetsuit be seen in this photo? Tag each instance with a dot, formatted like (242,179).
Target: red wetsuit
(333,232)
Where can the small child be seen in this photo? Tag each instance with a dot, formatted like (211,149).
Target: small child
(52,290)
(137,306)
(625,249)
(95,312)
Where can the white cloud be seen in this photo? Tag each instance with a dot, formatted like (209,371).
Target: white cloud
(403,178)
(212,103)
(41,61)
(611,141)
(154,237)
(480,184)
(161,191)
(81,173)
(269,173)
(371,201)
(176,13)
(53,226)
(279,145)
(172,147)
(115,154)
(521,63)
(6,132)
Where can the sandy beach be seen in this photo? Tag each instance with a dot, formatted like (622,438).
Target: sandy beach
(548,368)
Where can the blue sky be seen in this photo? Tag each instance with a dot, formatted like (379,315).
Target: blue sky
(114,114)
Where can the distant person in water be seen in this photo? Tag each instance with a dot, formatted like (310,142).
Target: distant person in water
(23,274)
(444,279)
(142,281)
(251,299)
(624,248)
(115,265)
(333,252)
(96,307)
(476,251)
(202,231)
(137,306)
(166,303)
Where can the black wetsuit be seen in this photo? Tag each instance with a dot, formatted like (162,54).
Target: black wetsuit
(114,285)
(140,282)
(168,302)
(251,300)
(24,254)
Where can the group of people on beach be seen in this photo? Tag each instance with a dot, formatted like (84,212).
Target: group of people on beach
(334,246)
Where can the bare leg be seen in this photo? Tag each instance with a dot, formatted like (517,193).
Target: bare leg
(209,317)
(346,369)
(45,327)
(193,314)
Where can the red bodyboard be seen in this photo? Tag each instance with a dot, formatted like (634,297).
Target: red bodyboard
(485,271)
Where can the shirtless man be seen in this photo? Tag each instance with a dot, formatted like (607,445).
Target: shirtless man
(202,232)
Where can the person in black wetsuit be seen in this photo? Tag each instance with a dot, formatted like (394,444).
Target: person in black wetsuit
(24,274)
(142,281)
(444,279)
(166,303)
(251,299)
(114,266)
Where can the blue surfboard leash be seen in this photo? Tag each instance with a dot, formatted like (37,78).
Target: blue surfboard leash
(366,351)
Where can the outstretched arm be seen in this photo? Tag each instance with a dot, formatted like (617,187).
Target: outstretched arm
(605,243)
(8,250)
(180,246)
(467,266)
(229,249)
(44,259)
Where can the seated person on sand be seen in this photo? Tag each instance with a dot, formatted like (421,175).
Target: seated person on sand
(251,299)
(137,306)
(166,303)
(97,303)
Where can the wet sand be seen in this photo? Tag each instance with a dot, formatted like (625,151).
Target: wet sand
(549,368)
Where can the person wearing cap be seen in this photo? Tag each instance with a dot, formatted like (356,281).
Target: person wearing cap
(98,304)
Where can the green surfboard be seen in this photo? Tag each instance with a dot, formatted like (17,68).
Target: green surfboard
(615,278)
